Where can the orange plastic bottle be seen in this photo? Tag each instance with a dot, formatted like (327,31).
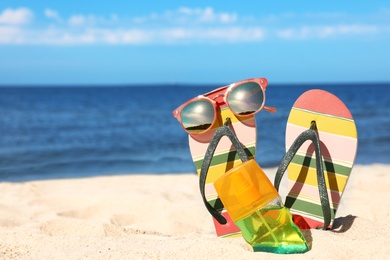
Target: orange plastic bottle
(257,209)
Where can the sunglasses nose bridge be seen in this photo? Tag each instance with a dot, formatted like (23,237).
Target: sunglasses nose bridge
(218,96)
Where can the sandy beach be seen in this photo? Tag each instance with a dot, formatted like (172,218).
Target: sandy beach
(163,217)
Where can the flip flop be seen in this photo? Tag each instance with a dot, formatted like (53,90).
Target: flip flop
(316,186)
(252,202)
(224,159)
(224,156)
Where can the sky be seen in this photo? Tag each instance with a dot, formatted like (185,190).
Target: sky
(172,42)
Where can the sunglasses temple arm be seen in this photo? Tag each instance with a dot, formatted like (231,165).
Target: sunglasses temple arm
(270,109)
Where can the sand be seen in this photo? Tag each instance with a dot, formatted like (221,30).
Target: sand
(163,217)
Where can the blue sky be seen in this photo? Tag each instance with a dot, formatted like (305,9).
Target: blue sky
(127,42)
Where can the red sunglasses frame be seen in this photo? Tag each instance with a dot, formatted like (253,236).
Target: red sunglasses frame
(214,97)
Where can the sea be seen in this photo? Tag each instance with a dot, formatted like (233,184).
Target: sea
(51,132)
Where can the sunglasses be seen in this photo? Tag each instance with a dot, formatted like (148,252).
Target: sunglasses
(244,98)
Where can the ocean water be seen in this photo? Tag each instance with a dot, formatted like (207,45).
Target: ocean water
(63,132)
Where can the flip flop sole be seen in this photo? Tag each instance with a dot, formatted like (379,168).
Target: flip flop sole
(338,137)
(224,159)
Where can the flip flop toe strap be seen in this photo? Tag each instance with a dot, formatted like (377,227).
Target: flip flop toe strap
(221,131)
(309,134)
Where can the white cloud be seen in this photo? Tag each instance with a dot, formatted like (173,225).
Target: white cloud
(77,20)
(16,16)
(164,36)
(10,34)
(185,15)
(309,32)
(207,15)
(130,36)
(230,34)
(95,21)
(52,14)
(182,25)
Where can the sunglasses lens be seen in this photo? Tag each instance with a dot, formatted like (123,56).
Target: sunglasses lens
(246,99)
(197,116)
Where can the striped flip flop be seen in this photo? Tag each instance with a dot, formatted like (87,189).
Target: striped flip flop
(319,126)
(225,155)
(224,159)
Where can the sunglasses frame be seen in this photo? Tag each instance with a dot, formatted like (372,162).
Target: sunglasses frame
(216,102)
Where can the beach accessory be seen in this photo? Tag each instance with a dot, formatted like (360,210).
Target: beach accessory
(244,98)
(252,203)
(318,171)
(225,156)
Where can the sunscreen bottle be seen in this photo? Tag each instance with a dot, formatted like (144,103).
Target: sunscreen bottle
(257,209)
